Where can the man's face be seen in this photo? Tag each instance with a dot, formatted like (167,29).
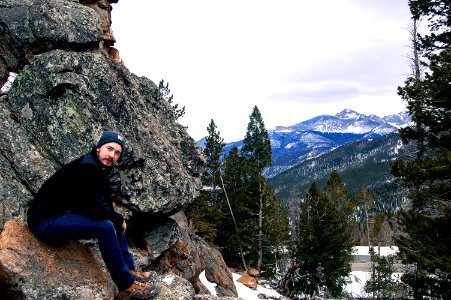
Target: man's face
(109,153)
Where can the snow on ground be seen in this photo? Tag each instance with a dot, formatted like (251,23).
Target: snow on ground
(249,294)
(355,287)
(244,292)
(357,284)
(383,251)
(211,287)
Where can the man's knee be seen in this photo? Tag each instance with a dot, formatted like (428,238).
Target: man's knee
(106,225)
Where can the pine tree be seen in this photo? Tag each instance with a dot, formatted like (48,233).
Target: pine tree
(236,235)
(364,202)
(381,284)
(165,94)
(336,190)
(256,144)
(205,211)
(323,248)
(382,233)
(426,243)
(257,151)
(214,152)
(276,230)
(204,216)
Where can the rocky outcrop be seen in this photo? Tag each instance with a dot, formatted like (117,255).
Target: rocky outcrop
(33,270)
(63,99)
(187,255)
(70,85)
(248,281)
(30,269)
(31,27)
(216,271)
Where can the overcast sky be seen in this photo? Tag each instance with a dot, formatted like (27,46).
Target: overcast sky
(294,59)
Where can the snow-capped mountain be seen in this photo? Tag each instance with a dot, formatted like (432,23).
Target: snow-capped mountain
(349,121)
(291,145)
(294,144)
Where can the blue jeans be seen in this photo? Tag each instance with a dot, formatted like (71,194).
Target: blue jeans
(114,248)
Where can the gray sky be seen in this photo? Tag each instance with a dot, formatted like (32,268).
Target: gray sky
(294,59)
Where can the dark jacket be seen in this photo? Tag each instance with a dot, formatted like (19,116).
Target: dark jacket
(80,187)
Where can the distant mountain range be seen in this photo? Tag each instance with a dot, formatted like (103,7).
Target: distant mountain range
(360,163)
(358,146)
(295,144)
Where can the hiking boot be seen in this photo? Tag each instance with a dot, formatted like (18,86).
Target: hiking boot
(138,290)
(141,276)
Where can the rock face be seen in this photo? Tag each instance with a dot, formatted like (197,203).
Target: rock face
(33,270)
(63,99)
(70,86)
(188,256)
(44,270)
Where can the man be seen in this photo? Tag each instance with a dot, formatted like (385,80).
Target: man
(75,203)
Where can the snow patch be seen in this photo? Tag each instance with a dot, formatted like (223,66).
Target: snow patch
(283,130)
(290,145)
(211,287)
(357,281)
(383,251)
(7,86)
(355,129)
(249,294)
(243,291)
(168,279)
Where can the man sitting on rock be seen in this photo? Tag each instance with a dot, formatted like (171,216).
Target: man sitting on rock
(75,203)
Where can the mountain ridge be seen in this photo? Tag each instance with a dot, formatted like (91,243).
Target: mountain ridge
(308,139)
(291,145)
(360,163)
(356,123)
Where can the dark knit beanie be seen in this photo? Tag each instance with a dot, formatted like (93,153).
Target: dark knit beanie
(111,136)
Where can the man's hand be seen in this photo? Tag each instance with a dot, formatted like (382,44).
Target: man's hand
(124,227)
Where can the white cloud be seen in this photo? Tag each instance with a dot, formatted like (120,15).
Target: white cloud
(293,59)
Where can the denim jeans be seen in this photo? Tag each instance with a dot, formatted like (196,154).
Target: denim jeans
(114,248)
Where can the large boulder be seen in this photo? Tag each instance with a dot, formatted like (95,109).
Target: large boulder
(187,255)
(30,27)
(67,91)
(70,86)
(63,100)
(30,269)
(216,270)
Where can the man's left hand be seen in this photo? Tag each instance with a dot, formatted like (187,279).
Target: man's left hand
(124,227)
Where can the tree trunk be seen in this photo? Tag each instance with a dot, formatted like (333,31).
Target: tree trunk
(260,229)
(367,221)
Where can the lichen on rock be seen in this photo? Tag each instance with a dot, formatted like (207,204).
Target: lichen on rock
(64,99)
